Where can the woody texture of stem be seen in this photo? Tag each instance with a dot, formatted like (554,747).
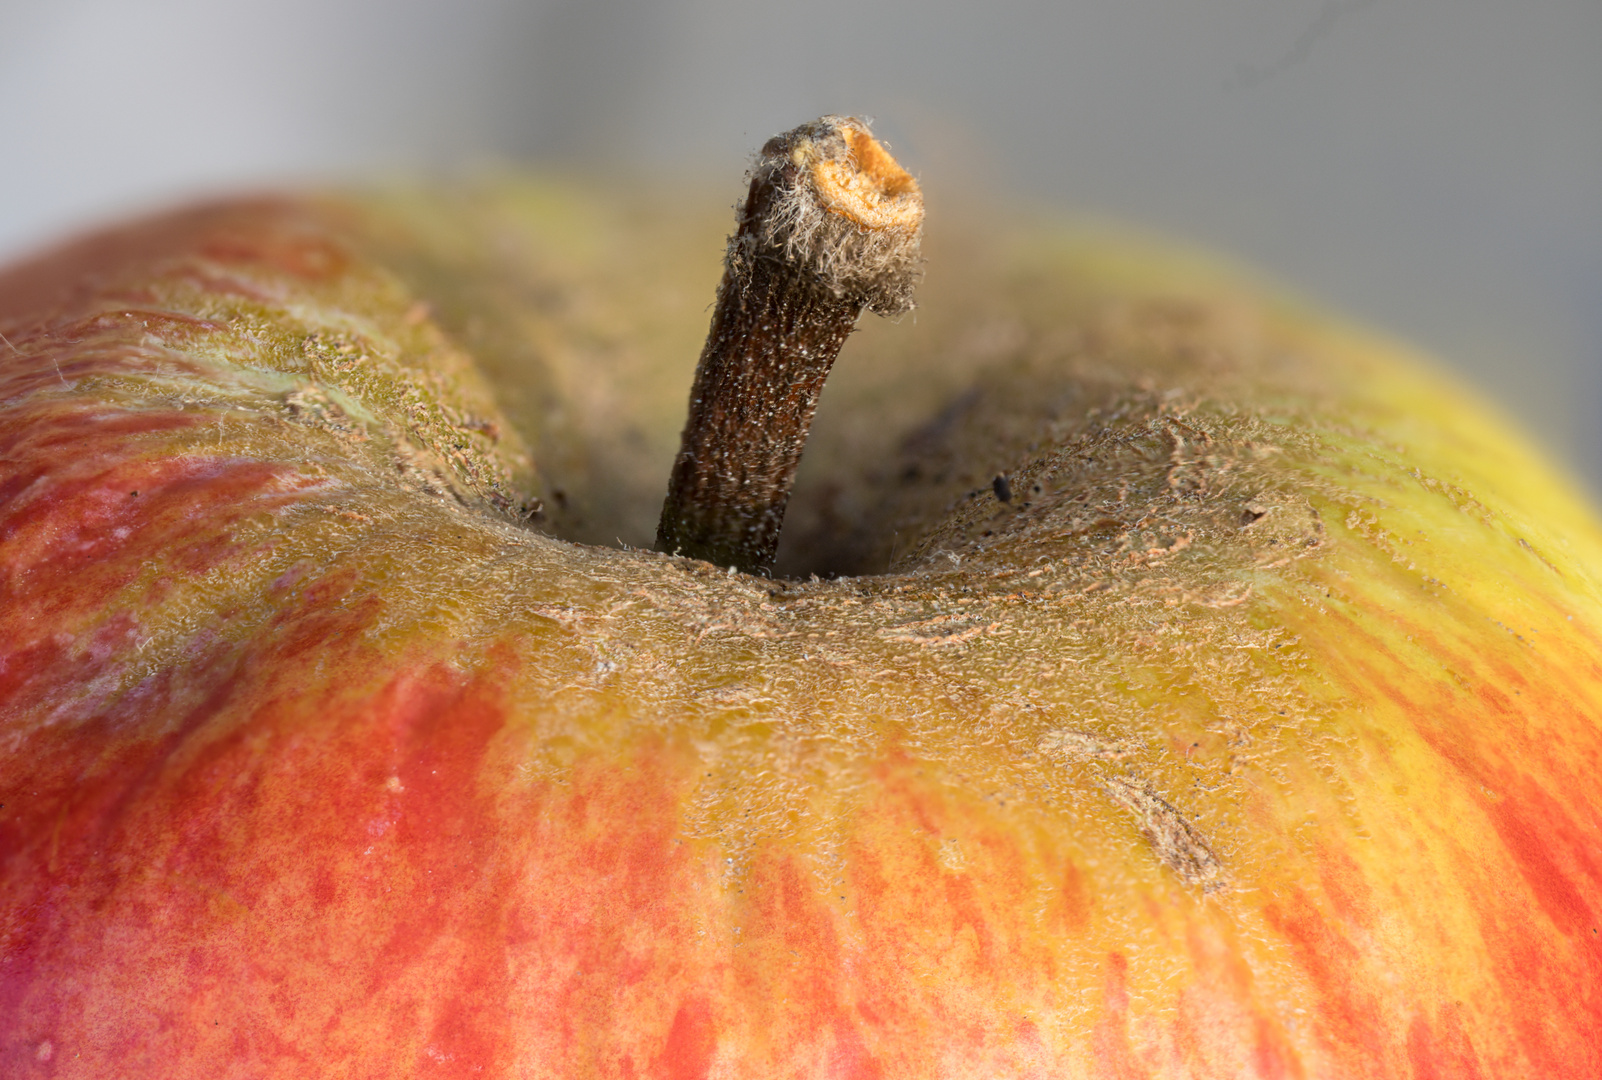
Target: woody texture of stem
(831,225)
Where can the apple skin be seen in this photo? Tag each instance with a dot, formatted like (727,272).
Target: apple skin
(1254,736)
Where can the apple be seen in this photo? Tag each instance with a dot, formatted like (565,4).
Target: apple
(1156,678)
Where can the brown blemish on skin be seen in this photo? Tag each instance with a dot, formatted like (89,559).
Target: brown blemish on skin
(1175,841)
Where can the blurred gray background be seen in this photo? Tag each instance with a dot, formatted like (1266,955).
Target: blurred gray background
(1433,167)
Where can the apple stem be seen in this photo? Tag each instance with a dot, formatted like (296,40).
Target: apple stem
(831,225)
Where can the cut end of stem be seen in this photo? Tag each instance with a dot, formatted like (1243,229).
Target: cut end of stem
(831,225)
(843,210)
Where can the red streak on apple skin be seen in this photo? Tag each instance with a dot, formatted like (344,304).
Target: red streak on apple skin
(1222,1001)
(1442,1051)
(1350,1019)
(101,530)
(1549,976)
(791,947)
(1115,1056)
(1349,892)
(687,1054)
(439,731)
(1522,821)
(82,521)
(1534,828)
(198,829)
(1272,1056)
(1074,899)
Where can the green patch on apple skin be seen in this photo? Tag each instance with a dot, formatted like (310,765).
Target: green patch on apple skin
(1255,731)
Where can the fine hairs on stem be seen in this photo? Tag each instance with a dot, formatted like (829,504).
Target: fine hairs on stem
(831,225)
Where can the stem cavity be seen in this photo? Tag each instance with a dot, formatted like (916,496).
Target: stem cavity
(830,226)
